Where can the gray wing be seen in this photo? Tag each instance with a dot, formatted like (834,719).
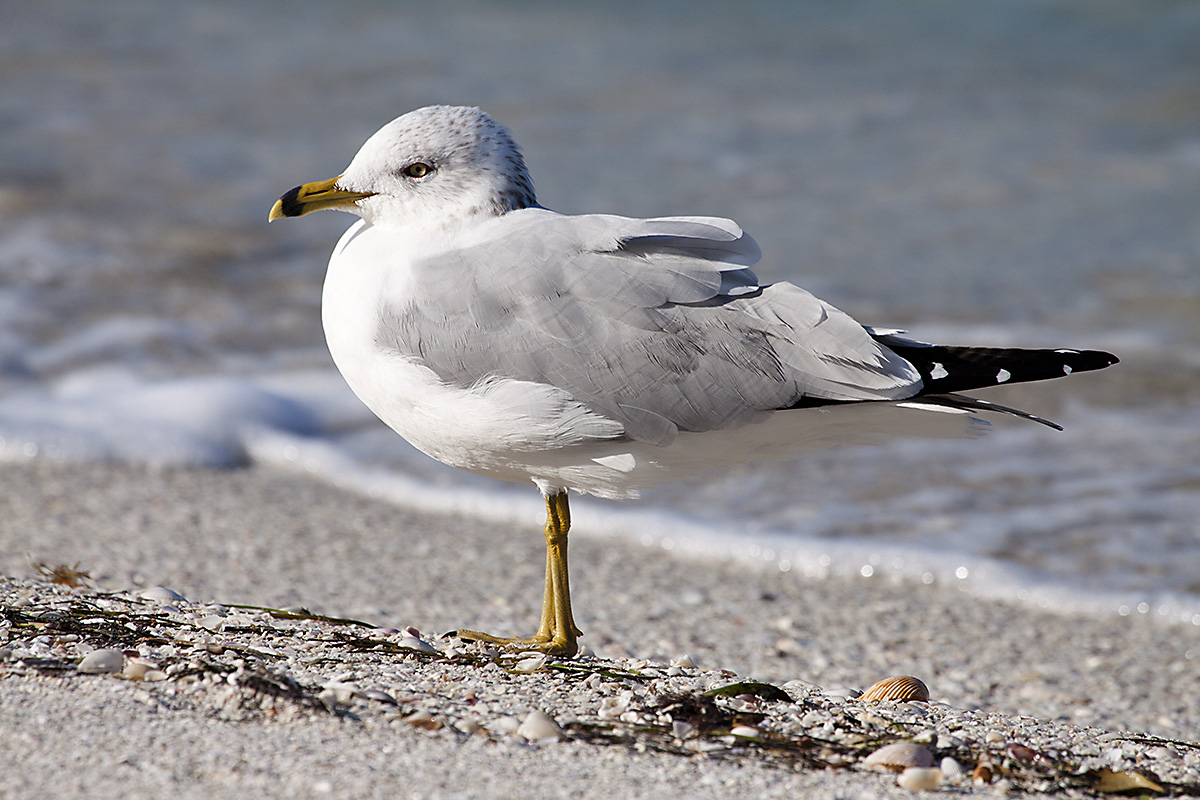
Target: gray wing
(659,324)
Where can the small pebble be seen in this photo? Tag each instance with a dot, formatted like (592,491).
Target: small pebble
(99,662)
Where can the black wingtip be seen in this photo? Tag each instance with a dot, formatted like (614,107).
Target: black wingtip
(948,368)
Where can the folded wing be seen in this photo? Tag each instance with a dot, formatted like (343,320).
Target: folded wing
(659,324)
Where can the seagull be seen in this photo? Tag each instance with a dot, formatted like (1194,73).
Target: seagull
(598,353)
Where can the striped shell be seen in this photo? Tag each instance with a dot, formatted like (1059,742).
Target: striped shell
(899,756)
(899,687)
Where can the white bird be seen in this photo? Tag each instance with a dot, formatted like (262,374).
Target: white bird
(600,353)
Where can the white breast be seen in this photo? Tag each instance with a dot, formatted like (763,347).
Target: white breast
(497,427)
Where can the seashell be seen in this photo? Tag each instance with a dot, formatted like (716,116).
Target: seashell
(746,732)
(840,694)
(380,696)
(951,769)
(420,645)
(423,719)
(539,727)
(468,726)
(1125,782)
(681,729)
(212,622)
(993,737)
(899,756)
(612,707)
(685,661)
(161,594)
(1023,753)
(919,779)
(531,664)
(341,693)
(504,724)
(136,669)
(982,774)
(100,662)
(899,687)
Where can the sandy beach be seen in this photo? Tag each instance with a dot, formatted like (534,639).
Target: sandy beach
(1097,693)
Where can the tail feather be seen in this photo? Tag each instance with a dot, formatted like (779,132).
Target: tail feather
(963,403)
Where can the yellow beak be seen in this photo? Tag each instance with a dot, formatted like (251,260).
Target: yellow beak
(314,197)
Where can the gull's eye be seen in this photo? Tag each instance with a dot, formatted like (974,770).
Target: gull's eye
(418,169)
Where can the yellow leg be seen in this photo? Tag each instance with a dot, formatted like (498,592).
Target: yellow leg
(557,634)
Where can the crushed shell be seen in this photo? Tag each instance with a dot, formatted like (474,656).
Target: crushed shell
(531,664)
(423,719)
(100,662)
(919,779)
(899,687)
(900,756)
(539,727)
(420,645)
(951,768)
(136,669)
(161,594)
(612,707)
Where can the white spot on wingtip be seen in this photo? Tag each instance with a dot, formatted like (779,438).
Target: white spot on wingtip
(938,372)
(1003,375)
(1066,369)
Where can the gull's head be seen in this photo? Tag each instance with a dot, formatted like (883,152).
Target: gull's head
(436,165)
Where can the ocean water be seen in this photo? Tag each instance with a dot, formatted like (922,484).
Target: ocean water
(1010,173)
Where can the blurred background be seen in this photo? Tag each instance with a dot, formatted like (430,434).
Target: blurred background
(1009,173)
